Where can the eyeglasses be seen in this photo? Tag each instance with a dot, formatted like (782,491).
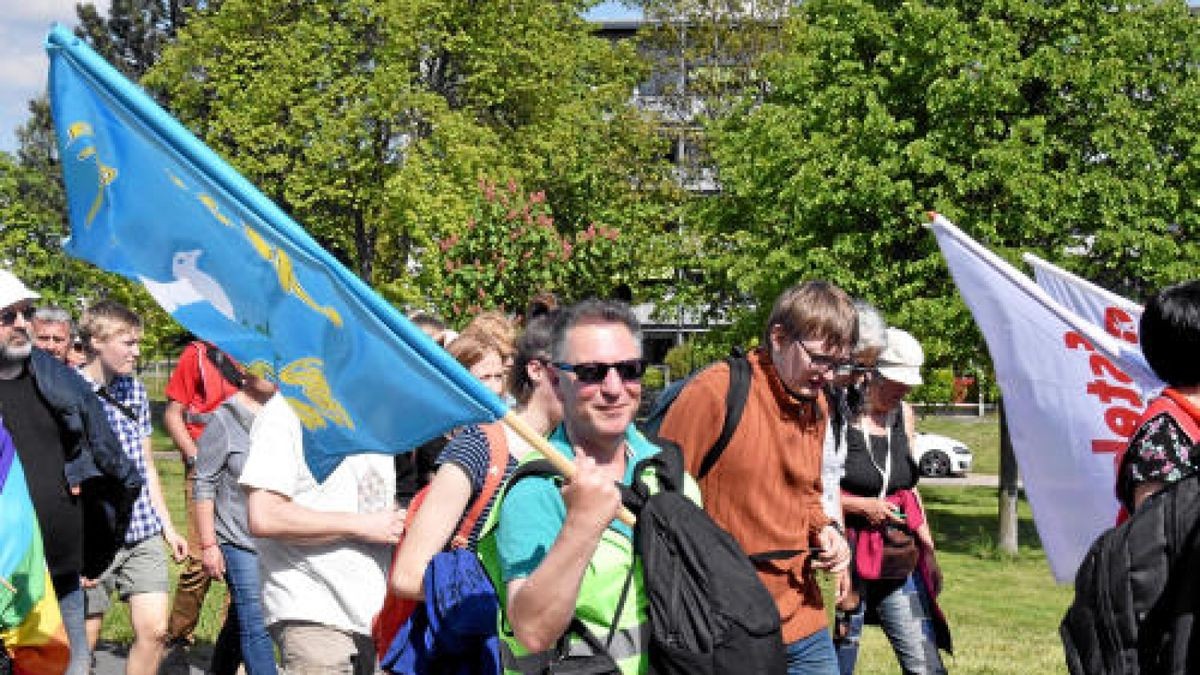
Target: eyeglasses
(823,361)
(630,370)
(9,317)
(852,369)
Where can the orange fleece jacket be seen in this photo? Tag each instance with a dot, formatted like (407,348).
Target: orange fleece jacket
(766,488)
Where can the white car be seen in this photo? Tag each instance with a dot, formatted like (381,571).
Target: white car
(941,455)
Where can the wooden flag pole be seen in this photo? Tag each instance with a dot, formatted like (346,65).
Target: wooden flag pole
(560,462)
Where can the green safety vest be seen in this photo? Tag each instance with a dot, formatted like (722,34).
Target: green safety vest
(599,596)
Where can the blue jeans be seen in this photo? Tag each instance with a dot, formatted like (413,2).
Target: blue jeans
(812,655)
(245,612)
(903,612)
(71,606)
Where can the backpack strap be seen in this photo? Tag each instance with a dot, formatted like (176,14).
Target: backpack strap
(735,405)
(497,463)
(668,471)
(1181,409)
(105,394)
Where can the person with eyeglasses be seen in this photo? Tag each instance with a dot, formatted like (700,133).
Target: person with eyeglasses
(74,464)
(845,398)
(766,487)
(883,510)
(561,557)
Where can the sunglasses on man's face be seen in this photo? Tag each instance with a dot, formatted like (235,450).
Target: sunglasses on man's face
(593,372)
(9,316)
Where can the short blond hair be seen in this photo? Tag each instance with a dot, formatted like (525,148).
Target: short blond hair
(471,348)
(105,319)
(493,326)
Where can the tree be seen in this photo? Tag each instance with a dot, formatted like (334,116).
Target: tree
(1066,128)
(511,250)
(373,123)
(135,32)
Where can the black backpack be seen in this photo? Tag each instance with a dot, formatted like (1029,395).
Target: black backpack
(735,404)
(1136,591)
(709,612)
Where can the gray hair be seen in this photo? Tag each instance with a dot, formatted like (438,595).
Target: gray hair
(593,310)
(52,315)
(872,329)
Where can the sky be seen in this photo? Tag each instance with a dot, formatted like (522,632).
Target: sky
(23,63)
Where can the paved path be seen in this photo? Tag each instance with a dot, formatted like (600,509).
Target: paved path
(110,660)
(969,480)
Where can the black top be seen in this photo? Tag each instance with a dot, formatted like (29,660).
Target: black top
(42,446)
(863,477)
(415,469)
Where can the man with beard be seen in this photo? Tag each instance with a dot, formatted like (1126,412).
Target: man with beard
(81,484)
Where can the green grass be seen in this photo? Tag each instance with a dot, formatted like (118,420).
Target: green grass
(116,622)
(1003,611)
(981,434)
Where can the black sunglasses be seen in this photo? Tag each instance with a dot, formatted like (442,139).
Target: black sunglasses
(8,317)
(592,372)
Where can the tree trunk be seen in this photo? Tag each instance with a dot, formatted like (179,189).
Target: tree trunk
(1007,540)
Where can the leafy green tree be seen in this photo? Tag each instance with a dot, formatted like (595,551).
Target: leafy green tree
(135,32)
(32,229)
(1068,129)
(372,123)
(512,249)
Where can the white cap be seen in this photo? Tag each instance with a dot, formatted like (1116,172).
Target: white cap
(902,358)
(12,290)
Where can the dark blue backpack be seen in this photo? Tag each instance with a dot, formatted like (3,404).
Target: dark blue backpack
(735,404)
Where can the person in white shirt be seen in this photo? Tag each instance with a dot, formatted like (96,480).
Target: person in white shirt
(323,547)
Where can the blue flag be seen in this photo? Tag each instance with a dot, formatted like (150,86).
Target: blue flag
(149,201)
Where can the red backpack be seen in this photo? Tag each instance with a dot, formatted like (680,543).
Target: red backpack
(396,610)
(1180,410)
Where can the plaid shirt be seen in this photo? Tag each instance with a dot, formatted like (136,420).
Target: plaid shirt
(131,394)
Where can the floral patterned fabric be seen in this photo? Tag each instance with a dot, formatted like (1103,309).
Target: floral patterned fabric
(1161,451)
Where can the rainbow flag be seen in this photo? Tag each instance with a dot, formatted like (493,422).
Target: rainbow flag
(30,625)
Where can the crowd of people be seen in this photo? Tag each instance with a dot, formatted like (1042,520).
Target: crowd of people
(457,556)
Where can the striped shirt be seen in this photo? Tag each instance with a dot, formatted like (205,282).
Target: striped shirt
(130,421)
(469,451)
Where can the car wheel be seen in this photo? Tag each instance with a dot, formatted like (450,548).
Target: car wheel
(935,464)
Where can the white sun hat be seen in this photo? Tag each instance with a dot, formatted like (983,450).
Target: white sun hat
(901,360)
(12,290)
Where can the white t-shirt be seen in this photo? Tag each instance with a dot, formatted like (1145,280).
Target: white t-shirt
(340,584)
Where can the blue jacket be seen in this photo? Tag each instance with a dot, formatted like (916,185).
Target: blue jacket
(454,631)
(109,481)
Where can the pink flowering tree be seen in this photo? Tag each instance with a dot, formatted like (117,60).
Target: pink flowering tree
(512,248)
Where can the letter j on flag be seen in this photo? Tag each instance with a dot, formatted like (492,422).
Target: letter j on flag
(149,201)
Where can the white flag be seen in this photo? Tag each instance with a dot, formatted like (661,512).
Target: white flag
(1069,407)
(1118,316)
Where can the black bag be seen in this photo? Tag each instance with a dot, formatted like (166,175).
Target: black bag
(708,610)
(735,404)
(1137,591)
